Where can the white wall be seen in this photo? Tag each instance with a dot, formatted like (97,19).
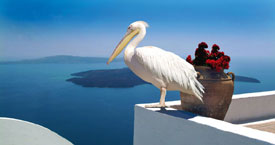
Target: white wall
(173,127)
(251,107)
(18,132)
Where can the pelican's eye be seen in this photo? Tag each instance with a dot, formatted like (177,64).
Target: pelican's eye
(130,27)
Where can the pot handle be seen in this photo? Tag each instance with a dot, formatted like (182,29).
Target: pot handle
(233,75)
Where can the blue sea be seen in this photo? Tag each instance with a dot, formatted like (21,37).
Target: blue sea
(39,93)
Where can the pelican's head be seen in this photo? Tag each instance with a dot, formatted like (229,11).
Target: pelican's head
(132,31)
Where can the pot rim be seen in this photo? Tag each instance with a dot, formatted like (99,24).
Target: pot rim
(209,68)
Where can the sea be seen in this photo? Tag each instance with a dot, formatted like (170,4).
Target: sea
(39,93)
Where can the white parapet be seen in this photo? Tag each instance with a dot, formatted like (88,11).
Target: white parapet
(169,126)
(251,107)
(19,132)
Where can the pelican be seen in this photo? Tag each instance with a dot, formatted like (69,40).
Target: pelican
(164,69)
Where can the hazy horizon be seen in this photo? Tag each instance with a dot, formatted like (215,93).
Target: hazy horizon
(35,29)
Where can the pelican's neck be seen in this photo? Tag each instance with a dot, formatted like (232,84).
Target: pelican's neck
(139,37)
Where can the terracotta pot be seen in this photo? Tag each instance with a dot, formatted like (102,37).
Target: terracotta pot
(219,89)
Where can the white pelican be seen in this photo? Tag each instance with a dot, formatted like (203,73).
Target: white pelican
(165,70)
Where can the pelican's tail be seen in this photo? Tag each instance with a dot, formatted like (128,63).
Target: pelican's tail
(198,89)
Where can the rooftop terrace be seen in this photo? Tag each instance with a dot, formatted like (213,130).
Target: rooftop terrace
(250,120)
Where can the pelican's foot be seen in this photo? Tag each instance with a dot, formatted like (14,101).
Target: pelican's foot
(156,106)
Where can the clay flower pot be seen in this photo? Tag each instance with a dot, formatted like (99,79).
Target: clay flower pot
(219,89)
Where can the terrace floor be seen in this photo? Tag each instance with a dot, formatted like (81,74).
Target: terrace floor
(268,126)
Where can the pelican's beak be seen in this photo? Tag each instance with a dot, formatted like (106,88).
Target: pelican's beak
(125,40)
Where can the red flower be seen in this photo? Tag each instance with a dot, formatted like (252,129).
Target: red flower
(197,52)
(215,47)
(203,45)
(220,54)
(189,59)
(226,65)
(213,54)
(200,56)
(207,52)
(218,68)
(216,60)
(211,62)
(226,58)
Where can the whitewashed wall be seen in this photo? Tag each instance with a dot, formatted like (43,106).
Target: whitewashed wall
(18,132)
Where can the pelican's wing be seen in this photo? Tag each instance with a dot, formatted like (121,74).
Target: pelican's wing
(170,68)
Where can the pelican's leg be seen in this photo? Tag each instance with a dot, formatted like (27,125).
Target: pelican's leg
(161,101)
(162,96)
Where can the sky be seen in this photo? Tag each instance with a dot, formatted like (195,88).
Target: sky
(38,28)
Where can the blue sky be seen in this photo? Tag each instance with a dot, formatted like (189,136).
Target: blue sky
(37,28)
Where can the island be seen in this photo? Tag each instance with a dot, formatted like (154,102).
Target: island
(62,59)
(121,78)
(111,78)
(246,79)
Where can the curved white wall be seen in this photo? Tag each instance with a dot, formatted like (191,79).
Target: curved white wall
(19,132)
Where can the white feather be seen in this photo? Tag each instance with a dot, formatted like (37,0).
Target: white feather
(170,68)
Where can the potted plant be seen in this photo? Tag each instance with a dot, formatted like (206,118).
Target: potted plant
(219,86)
